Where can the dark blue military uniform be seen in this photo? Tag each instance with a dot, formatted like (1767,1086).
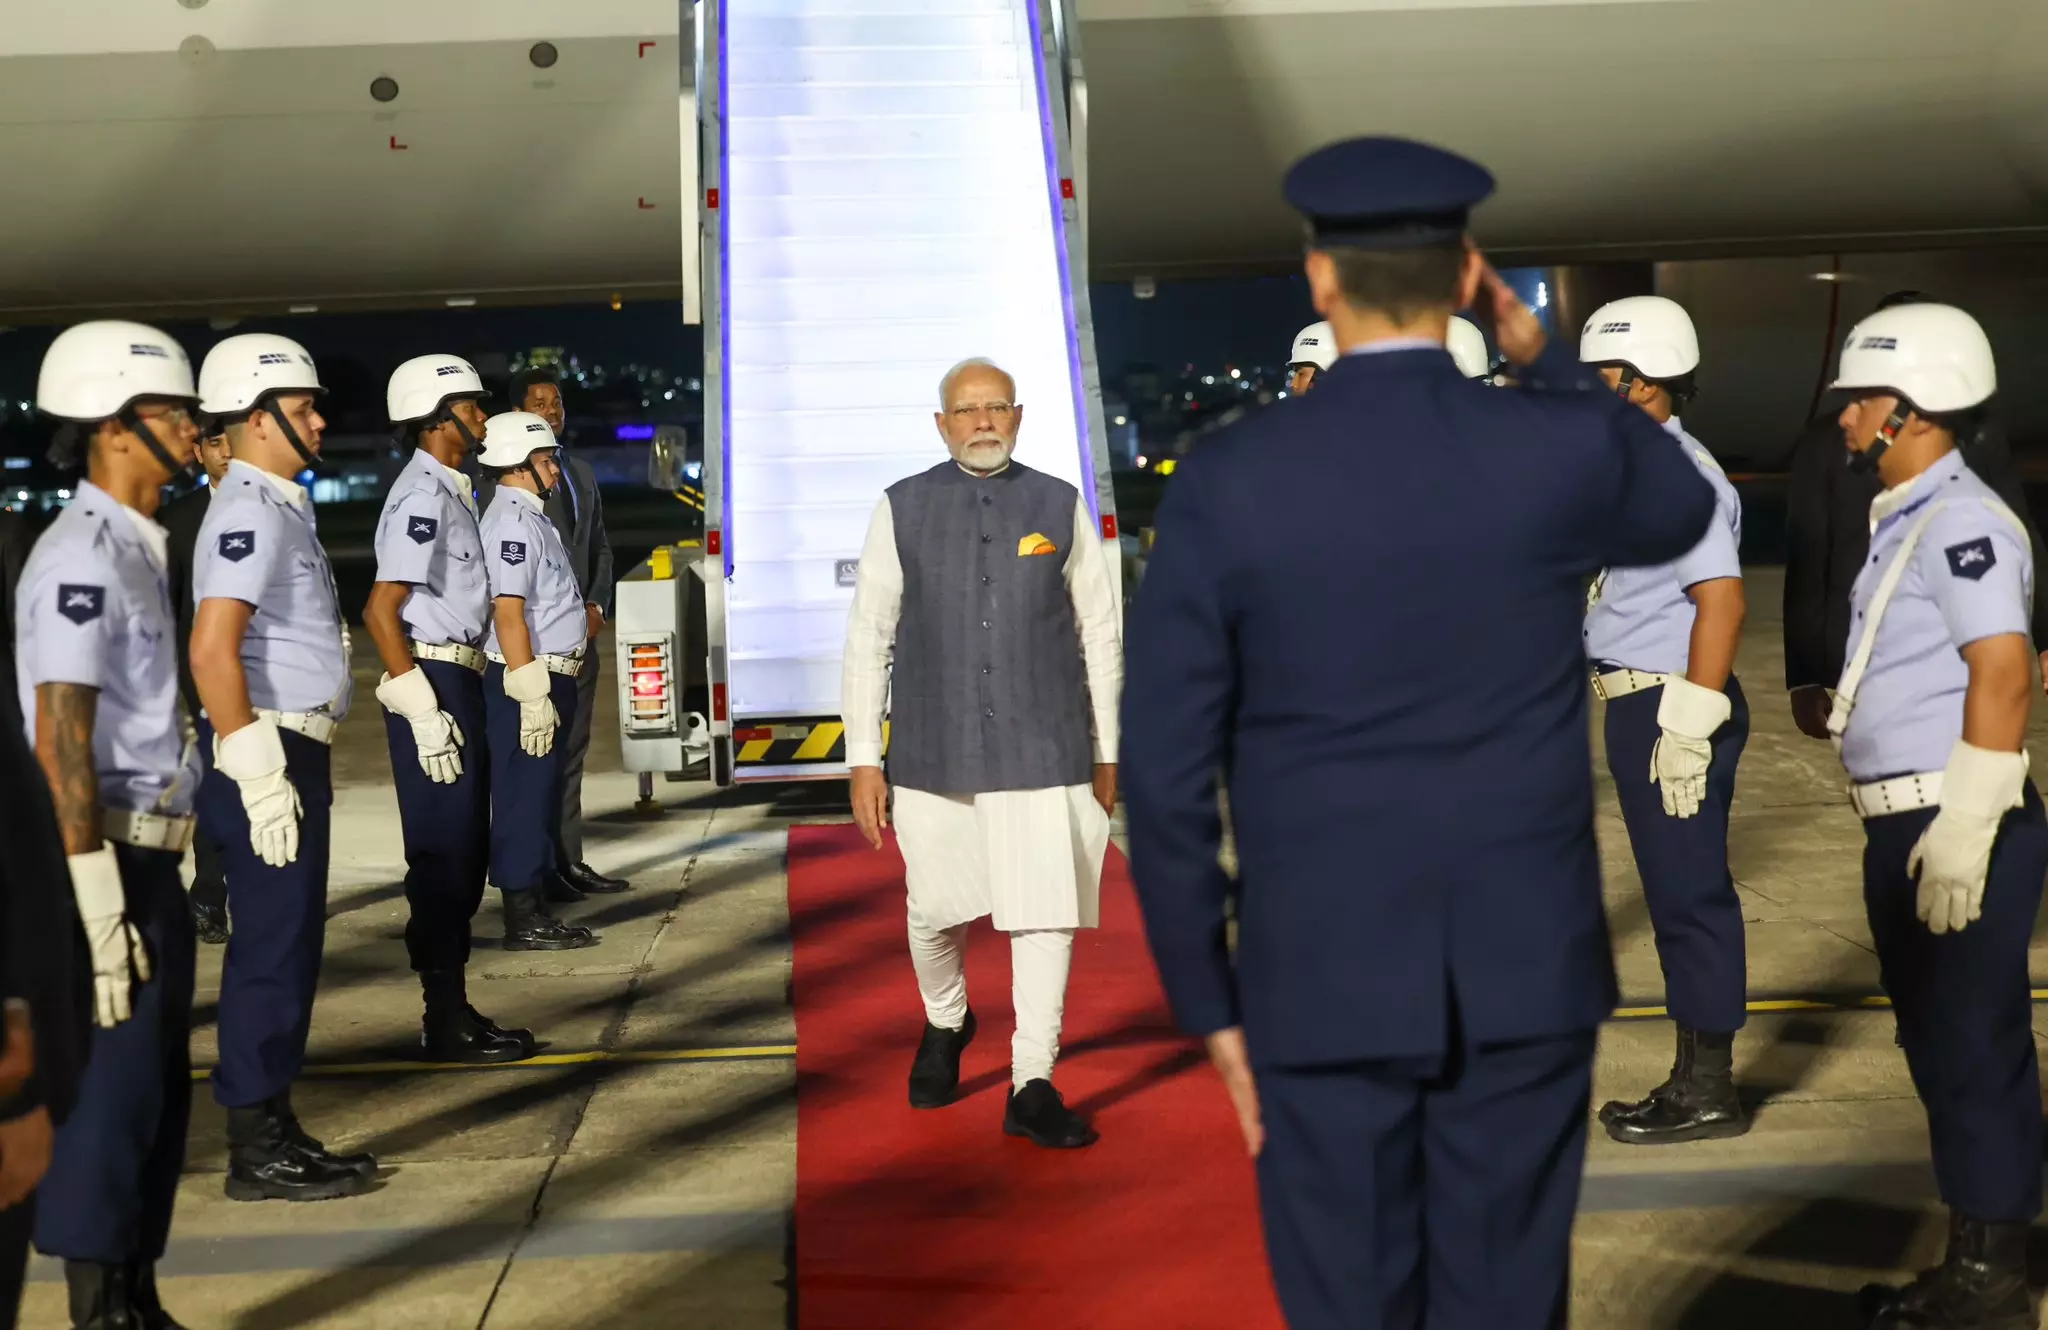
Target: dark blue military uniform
(1363,611)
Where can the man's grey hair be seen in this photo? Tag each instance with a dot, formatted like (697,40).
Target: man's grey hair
(972,362)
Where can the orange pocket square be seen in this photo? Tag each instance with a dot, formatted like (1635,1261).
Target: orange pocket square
(1035,544)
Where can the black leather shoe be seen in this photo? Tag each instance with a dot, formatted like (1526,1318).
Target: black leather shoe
(531,926)
(935,1071)
(210,922)
(101,1298)
(1038,1114)
(142,1292)
(585,878)
(1697,1103)
(267,1163)
(523,1037)
(452,1034)
(560,890)
(1980,1285)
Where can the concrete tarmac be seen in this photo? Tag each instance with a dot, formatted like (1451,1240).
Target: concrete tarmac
(641,1173)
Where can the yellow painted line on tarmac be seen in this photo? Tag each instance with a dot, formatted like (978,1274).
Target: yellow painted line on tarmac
(743,1053)
(1765,1006)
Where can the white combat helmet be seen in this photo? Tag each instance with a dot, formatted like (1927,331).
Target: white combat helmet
(94,371)
(1467,346)
(1935,357)
(421,386)
(1649,334)
(513,436)
(1314,345)
(243,370)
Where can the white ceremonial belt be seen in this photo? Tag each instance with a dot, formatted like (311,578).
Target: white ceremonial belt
(1620,683)
(147,831)
(315,725)
(1900,794)
(454,653)
(565,665)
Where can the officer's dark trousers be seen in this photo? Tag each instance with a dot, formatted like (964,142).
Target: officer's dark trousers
(209,879)
(1432,1193)
(272,966)
(1683,861)
(447,827)
(1965,1012)
(526,791)
(576,747)
(15,1226)
(114,1173)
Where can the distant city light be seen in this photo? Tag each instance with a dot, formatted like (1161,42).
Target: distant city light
(1141,467)
(461,302)
(62,494)
(1236,373)
(1120,420)
(17,464)
(1209,378)
(1542,295)
(631,433)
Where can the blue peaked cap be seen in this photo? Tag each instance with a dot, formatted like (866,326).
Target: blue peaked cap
(1385,193)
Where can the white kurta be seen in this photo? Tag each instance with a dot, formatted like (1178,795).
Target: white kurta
(1030,858)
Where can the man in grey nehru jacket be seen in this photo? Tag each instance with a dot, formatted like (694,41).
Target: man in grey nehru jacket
(984,584)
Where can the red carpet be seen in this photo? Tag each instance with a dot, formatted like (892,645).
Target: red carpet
(908,1220)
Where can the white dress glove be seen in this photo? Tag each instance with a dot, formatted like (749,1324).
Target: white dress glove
(1953,856)
(119,960)
(528,686)
(1688,714)
(253,758)
(435,734)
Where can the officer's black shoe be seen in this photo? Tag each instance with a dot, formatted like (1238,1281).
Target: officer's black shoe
(531,926)
(585,878)
(1980,1285)
(935,1071)
(1038,1114)
(1698,1102)
(521,1036)
(362,1163)
(561,890)
(210,922)
(142,1292)
(266,1164)
(101,1298)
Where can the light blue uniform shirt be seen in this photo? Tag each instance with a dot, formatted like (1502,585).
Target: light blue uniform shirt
(1971,577)
(94,608)
(1643,618)
(427,538)
(524,556)
(257,547)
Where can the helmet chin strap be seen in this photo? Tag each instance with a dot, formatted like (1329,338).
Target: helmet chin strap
(470,442)
(268,402)
(173,471)
(1865,462)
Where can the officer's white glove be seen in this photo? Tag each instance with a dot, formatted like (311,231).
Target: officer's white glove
(435,734)
(119,960)
(1953,856)
(253,758)
(1688,714)
(528,686)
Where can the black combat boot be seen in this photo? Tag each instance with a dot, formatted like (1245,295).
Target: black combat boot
(210,922)
(142,1292)
(1697,1103)
(101,1298)
(1038,1114)
(935,1071)
(266,1164)
(1980,1285)
(531,926)
(362,1163)
(452,1031)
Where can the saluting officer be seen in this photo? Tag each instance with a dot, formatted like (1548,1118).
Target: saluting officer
(270,656)
(1661,642)
(1930,715)
(535,646)
(1314,350)
(96,642)
(1422,957)
(428,613)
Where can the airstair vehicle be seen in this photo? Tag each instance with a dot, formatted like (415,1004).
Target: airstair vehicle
(888,187)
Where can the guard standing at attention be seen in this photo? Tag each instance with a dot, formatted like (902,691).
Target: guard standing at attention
(535,646)
(1661,642)
(428,613)
(95,642)
(1930,715)
(270,656)
(1422,959)
(1314,350)
(181,519)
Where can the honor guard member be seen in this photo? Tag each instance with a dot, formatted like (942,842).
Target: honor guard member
(1467,346)
(270,656)
(535,647)
(1661,642)
(182,518)
(1930,714)
(428,613)
(1422,958)
(1315,350)
(98,660)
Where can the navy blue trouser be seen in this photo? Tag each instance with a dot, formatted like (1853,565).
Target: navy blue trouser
(1683,861)
(1965,1012)
(1432,1192)
(526,791)
(272,967)
(447,827)
(114,1173)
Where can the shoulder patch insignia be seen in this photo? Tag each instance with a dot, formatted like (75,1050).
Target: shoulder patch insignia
(512,551)
(422,529)
(236,546)
(1035,544)
(1971,559)
(81,604)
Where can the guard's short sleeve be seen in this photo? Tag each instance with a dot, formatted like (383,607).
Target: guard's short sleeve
(1718,553)
(510,553)
(1977,569)
(238,556)
(412,537)
(68,622)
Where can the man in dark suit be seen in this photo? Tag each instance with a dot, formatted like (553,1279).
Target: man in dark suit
(1392,687)
(181,518)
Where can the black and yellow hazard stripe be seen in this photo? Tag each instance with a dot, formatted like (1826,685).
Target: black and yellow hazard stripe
(798,741)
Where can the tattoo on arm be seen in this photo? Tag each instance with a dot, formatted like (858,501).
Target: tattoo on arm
(65,713)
